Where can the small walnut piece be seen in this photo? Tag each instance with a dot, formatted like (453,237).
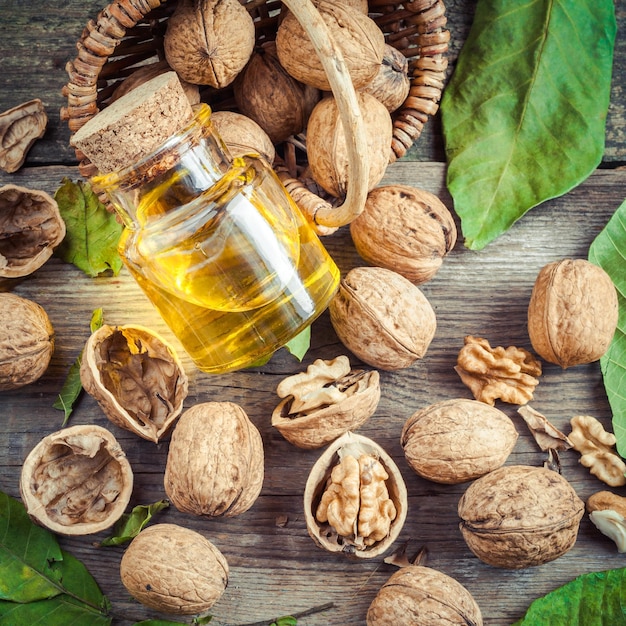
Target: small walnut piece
(31,227)
(405,229)
(76,481)
(327,149)
(520,516)
(215,463)
(597,449)
(391,84)
(457,440)
(136,377)
(324,402)
(26,341)
(427,596)
(382,317)
(358,37)
(572,313)
(208,42)
(173,569)
(20,127)
(607,511)
(355,500)
(509,374)
(242,135)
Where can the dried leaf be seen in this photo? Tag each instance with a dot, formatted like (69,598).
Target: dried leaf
(547,436)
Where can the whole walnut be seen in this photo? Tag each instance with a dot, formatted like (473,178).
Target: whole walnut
(391,84)
(277,102)
(26,341)
(382,317)
(242,135)
(520,516)
(457,440)
(208,42)
(327,150)
(430,597)
(405,229)
(359,38)
(215,463)
(173,569)
(572,313)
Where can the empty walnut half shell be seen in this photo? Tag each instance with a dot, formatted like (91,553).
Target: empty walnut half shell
(324,402)
(355,499)
(76,481)
(31,227)
(136,377)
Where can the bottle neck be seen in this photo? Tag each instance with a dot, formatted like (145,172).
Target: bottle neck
(187,164)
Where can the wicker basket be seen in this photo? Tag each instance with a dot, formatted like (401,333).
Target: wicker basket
(129,33)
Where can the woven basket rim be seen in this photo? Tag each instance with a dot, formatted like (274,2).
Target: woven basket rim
(122,37)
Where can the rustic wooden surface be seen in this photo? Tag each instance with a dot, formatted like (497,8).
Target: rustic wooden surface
(276,569)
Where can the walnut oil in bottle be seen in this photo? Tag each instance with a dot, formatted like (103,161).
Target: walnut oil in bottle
(220,249)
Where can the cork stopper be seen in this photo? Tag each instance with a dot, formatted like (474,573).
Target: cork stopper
(135,125)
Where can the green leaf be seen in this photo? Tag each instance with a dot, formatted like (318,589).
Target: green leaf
(521,122)
(62,610)
(92,231)
(297,347)
(72,386)
(131,524)
(596,599)
(608,250)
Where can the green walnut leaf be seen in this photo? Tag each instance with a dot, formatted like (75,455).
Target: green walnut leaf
(608,250)
(595,599)
(39,582)
(131,524)
(524,113)
(92,232)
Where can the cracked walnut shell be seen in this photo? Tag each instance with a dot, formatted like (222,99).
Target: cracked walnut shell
(173,569)
(324,402)
(520,516)
(20,127)
(31,227)
(76,481)
(136,378)
(405,229)
(457,440)
(355,499)
(215,463)
(572,313)
(26,341)
(382,317)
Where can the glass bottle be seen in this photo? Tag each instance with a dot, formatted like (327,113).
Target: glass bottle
(219,248)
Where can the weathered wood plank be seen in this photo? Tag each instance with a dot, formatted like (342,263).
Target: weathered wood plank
(278,569)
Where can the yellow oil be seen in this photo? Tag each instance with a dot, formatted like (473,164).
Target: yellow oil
(236,272)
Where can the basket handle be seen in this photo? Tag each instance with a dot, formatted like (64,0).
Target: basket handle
(349,112)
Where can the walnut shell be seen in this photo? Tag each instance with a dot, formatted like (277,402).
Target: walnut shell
(457,440)
(520,516)
(26,341)
(427,595)
(20,127)
(572,313)
(359,38)
(327,150)
(174,569)
(76,481)
(215,463)
(136,377)
(404,229)
(270,96)
(319,408)
(31,227)
(242,135)
(391,84)
(382,317)
(323,533)
(208,42)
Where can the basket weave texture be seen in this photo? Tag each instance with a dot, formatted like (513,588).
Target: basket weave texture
(129,33)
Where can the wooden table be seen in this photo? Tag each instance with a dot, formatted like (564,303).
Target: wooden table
(276,568)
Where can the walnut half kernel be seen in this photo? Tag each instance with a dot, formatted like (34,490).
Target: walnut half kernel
(607,511)
(324,402)
(355,499)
